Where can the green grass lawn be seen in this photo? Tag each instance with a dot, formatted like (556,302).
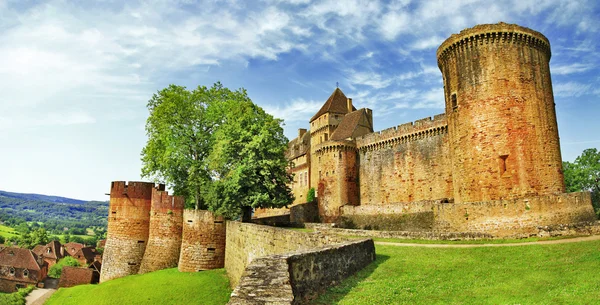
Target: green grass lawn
(161,287)
(8,231)
(536,274)
(468,242)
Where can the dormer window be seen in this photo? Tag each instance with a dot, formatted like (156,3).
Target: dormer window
(25,273)
(11,271)
(48,250)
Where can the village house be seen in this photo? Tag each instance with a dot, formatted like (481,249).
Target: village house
(51,253)
(20,268)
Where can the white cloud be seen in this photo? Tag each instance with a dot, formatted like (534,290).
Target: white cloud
(46,119)
(297,110)
(571,89)
(571,68)
(427,43)
(370,79)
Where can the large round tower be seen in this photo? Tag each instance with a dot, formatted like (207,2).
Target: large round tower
(128,228)
(501,117)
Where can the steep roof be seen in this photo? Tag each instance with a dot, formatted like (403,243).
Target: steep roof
(348,125)
(54,253)
(73,247)
(336,103)
(86,252)
(298,146)
(19,258)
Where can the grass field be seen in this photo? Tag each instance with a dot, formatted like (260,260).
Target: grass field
(161,287)
(7,231)
(467,242)
(536,274)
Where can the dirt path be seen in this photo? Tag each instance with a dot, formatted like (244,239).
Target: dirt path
(39,296)
(545,242)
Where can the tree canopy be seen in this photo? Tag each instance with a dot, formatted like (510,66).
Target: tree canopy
(584,175)
(217,148)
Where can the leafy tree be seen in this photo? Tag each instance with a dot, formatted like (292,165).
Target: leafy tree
(36,237)
(216,148)
(56,269)
(584,175)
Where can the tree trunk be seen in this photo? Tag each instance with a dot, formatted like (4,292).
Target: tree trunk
(246,214)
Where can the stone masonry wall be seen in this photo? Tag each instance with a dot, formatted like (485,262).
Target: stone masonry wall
(73,276)
(246,241)
(203,243)
(166,218)
(407,163)
(410,216)
(297,277)
(128,228)
(516,217)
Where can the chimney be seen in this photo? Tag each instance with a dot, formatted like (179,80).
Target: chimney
(349,105)
(301,132)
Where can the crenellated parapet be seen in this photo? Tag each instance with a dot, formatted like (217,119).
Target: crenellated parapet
(332,146)
(409,132)
(485,34)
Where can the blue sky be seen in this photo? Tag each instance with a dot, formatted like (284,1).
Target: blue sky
(75,77)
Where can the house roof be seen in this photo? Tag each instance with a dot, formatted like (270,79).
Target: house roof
(348,125)
(337,103)
(19,258)
(54,253)
(72,247)
(86,252)
(96,266)
(298,146)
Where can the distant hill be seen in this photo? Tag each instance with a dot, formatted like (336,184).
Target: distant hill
(39,197)
(54,212)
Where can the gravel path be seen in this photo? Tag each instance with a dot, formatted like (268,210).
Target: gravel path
(545,242)
(39,296)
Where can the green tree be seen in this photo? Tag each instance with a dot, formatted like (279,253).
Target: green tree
(216,148)
(56,269)
(36,237)
(584,175)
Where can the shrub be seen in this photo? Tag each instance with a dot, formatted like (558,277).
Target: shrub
(56,269)
(15,298)
(310,197)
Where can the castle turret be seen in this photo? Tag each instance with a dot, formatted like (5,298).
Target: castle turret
(164,243)
(128,228)
(203,244)
(501,117)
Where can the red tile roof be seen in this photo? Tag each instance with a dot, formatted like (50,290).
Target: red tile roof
(19,258)
(347,126)
(336,103)
(54,253)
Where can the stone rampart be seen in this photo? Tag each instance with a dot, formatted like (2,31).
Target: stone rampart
(246,242)
(296,278)
(411,216)
(521,217)
(203,243)
(404,133)
(164,243)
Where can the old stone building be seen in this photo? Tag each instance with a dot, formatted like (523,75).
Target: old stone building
(20,268)
(491,163)
(51,253)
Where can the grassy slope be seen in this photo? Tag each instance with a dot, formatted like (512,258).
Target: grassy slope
(161,287)
(7,231)
(537,274)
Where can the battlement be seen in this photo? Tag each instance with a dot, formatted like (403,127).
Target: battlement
(334,146)
(162,202)
(408,132)
(493,33)
(133,189)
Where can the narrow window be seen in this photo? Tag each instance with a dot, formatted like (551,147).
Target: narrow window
(503,164)
(131,264)
(140,241)
(306,178)
(325,137)
(190,221)
(454,102)
(218,221)
(211,250)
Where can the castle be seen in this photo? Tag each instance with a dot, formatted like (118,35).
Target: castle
(491,163)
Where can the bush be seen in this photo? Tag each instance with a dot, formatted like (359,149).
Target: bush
(56,269)
(310,197)
(15,298)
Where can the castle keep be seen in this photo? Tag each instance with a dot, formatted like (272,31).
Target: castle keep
(491,163)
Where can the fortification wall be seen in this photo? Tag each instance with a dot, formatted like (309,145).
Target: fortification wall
(296,278)
(164,242)
(407,163)
(501,116)
(338,175)
(73,276)
(128,228)
(203,243)
(521,217)
(246,241)
(409,216)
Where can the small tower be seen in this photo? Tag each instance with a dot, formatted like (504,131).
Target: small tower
(164,242)
(128,228)
(501,118)
(203,243)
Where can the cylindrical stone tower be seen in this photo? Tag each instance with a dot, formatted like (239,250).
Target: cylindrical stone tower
(501,117)
(164,242)
(203,244)
(128,224)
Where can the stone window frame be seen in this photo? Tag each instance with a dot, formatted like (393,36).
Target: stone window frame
(25,273)
(11,271)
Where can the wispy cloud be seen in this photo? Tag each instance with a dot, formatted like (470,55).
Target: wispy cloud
(297,110)
(571,68)
(571,89)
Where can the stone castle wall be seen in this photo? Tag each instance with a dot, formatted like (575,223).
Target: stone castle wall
(409,216)
(203,244)
(408,163)
(501,117)
(128,228)
(246,242)
(521,217)
(164,243)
